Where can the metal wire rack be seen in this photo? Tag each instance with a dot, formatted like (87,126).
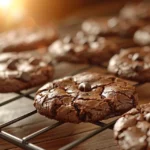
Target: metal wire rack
(24,142)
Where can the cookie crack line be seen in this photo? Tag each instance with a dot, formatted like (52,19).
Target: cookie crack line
(76,108)
(79,102)
(132,63)
(20,71)
(134,124)
(96,51)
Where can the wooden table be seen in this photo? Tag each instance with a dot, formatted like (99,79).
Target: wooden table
(65,133)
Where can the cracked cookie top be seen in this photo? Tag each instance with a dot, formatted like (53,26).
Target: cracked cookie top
(140,11)
(20,71)
(86,97)
(111,26)
(83,48)
(23,39)
(132,130)
(142,36)
(132,63)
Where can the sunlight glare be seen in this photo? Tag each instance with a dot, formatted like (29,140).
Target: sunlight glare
(5,3)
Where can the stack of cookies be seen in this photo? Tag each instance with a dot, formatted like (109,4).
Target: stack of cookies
(121,42)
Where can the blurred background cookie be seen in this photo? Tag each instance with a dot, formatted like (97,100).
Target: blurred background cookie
(140,11)
(25,39)
(142,36)
(110,26)
(20,71)
(132,63)
(83,49)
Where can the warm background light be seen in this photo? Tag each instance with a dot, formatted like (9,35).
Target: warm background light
(4,4)
(16,13)
(12,13)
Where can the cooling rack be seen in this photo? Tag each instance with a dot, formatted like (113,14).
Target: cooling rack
(24,142)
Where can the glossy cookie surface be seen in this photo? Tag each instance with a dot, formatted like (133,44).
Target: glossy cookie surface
(86,97)
(132,63)
(20,71)
(132,130)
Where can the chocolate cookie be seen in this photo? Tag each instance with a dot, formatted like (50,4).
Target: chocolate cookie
(22,71)
(140,11)
(142,36)
(132,130)
(111,26)
(132,63)
(23,39)
(123,42)
(86,97)
(83,49)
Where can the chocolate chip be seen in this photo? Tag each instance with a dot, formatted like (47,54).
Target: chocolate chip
(130,56)
(12,74)
(80,35)
(34,61)
(92,38)
(68,48)
(67,39)
(138,67)
(50,62)
(84,41)
(113,22)
(85,87)
(80,48)
(25,76)
(137,57)
(147,116)
(12,64)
